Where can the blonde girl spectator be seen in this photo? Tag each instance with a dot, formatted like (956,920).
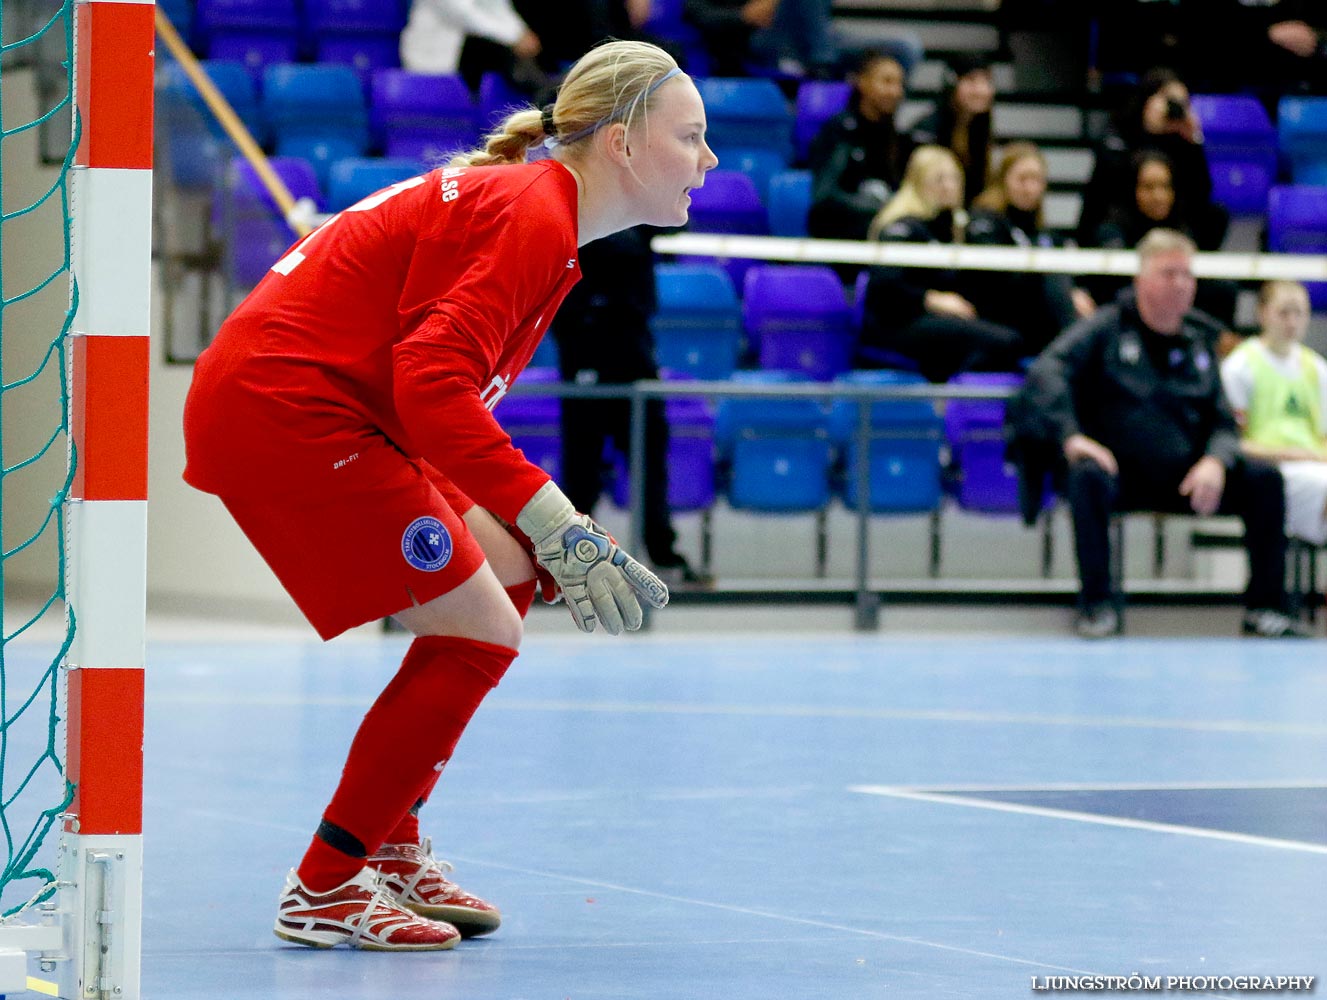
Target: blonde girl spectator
(1278,389)
(924,316)
(1009,213)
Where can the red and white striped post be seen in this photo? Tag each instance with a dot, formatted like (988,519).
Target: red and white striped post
(101,849)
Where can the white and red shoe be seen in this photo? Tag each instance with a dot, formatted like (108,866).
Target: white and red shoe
(417,881)
(360,913)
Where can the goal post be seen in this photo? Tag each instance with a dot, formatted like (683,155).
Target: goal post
(101,849)
(89,934)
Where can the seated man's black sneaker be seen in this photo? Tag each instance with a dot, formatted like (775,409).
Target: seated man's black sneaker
(1268,624)
(1100,621)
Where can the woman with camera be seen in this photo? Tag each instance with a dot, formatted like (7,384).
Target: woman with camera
(1159,118)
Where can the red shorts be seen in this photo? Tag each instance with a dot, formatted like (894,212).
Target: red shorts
(386,533)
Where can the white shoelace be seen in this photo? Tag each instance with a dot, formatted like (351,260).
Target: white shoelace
(362,928)
(427,863)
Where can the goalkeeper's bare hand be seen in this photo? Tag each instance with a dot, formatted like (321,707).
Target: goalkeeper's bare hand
(600,582)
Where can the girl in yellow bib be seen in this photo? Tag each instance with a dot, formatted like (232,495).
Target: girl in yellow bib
(1278,389)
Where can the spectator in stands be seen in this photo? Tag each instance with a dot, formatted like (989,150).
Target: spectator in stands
(1299,34)
(962,119)
(472,37)
(1009,213)
(858,158)
(1158,118)
(1157,205)
(1269,47)
(1154,204)
(570,28)
(791,36)
(603,336)
(923,314)
(1278,389)
(1133,396)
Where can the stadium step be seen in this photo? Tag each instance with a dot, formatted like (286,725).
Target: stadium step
(935,35)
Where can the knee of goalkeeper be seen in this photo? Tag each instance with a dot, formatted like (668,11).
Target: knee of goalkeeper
(602,584)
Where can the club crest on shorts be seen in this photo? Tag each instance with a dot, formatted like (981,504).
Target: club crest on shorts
(426,544)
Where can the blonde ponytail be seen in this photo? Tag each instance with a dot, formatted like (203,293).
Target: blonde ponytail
(613,82)
(510,142)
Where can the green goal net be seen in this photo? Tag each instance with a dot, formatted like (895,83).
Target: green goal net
(37,296)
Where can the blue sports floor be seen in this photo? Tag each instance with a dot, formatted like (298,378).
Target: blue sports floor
(794,815)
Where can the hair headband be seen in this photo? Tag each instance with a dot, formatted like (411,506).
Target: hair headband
(579,134)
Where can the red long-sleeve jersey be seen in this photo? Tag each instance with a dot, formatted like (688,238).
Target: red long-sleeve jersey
(405,317)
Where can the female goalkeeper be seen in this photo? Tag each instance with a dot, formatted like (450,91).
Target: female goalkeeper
(343,416)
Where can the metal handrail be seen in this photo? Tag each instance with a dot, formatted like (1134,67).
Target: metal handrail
(867,603)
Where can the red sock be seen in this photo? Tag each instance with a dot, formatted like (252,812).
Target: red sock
(407,830)
(409,732)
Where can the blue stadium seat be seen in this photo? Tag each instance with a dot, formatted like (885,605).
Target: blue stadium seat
(1241,149)
(192,155)
(257,33)
(904,465)
(697,325)
(777,452)
(180,13)
(535,422)
(254,233)
(666,17)
(195,147)
(1302,132)
(747,114)
(789,202)
(758,164)
(497,99)
(817,102)
(365,54)
(1312,174)
(1297,223)
(356,177)
(232,80)
(981,479)
(363,34)
(691,479)
(666,22)
(546,354)
(797,317)
(316,112)
(422,116)
(346,17)
(1236,125)
(728,203)
(1242,186)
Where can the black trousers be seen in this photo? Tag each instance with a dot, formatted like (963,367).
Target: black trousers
(586,425)
(943,346)
(1254,492)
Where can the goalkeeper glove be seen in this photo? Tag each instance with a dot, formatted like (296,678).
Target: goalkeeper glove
(600,581)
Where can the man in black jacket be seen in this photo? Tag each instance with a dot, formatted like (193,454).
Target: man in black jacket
(1133,394)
